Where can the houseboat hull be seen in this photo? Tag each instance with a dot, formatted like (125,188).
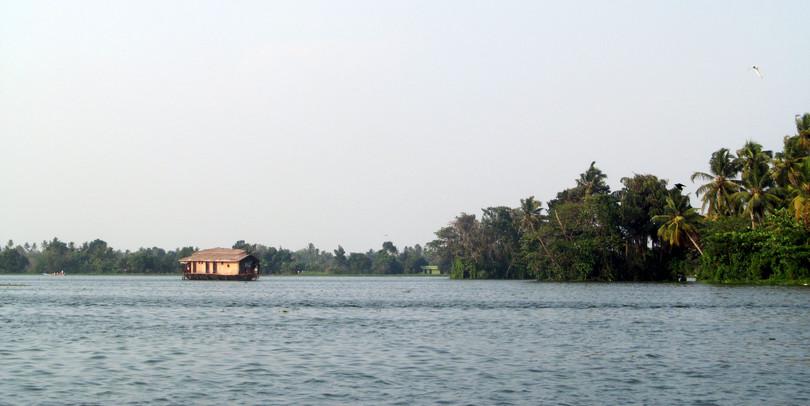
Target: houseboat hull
(216,277)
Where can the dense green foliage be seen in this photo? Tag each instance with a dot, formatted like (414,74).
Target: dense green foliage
(96,257)
(90,257)
(779,250)
(586,233)
(386,261)
(756,225)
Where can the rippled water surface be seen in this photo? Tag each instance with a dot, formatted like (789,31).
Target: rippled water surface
(286,340)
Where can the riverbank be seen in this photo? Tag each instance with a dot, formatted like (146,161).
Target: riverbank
(765,282)
(307,274)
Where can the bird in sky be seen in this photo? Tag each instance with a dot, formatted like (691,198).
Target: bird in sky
(679,186)
(757,71)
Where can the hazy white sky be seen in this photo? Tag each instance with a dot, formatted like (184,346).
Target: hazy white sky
(168,123)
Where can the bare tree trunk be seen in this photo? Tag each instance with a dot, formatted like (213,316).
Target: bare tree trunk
(695,244)
(543,244)
(562,227)
(548,252)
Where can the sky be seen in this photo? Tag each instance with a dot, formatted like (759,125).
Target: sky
(176,123)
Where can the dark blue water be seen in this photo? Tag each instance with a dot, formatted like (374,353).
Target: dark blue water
(160,340)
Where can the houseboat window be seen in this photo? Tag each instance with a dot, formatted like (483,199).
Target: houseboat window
(215,267)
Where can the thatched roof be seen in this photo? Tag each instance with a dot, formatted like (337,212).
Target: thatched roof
(217,255)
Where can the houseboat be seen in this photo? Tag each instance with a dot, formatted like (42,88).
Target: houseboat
(221,264)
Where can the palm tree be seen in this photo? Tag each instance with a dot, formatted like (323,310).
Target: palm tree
(593,181)
(787,164)
(799,189)
(679,222)
(752,159)
(801,204)
(530,216)
(757,197)
(723,166)
(803,130)
(792,169)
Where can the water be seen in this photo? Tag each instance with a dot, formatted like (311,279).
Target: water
(287,340)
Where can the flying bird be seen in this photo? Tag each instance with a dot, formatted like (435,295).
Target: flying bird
(679,186)
(757,71)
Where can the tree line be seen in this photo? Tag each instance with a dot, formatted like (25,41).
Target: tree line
(97,257)
(90,257)
(754,226)
(388,260)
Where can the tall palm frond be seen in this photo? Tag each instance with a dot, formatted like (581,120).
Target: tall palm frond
(757,197)
(786,165)
(720,185)
(678,222)
(803,130)
(753,160)
(593,181)
(800,192)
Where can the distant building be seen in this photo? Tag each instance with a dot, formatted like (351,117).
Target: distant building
(221,264)
(431,270)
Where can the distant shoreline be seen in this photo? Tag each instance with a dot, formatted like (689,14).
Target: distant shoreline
(730,283)
(180,275)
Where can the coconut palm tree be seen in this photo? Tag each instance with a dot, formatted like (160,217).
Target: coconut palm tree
(593,181)
(803,130)
(753,160)
(756,196)
(799,191)
(786,165)
(723,167)
(801,204)
(530,215)
(679,222)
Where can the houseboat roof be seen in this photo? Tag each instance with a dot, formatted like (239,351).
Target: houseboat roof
(217,254)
